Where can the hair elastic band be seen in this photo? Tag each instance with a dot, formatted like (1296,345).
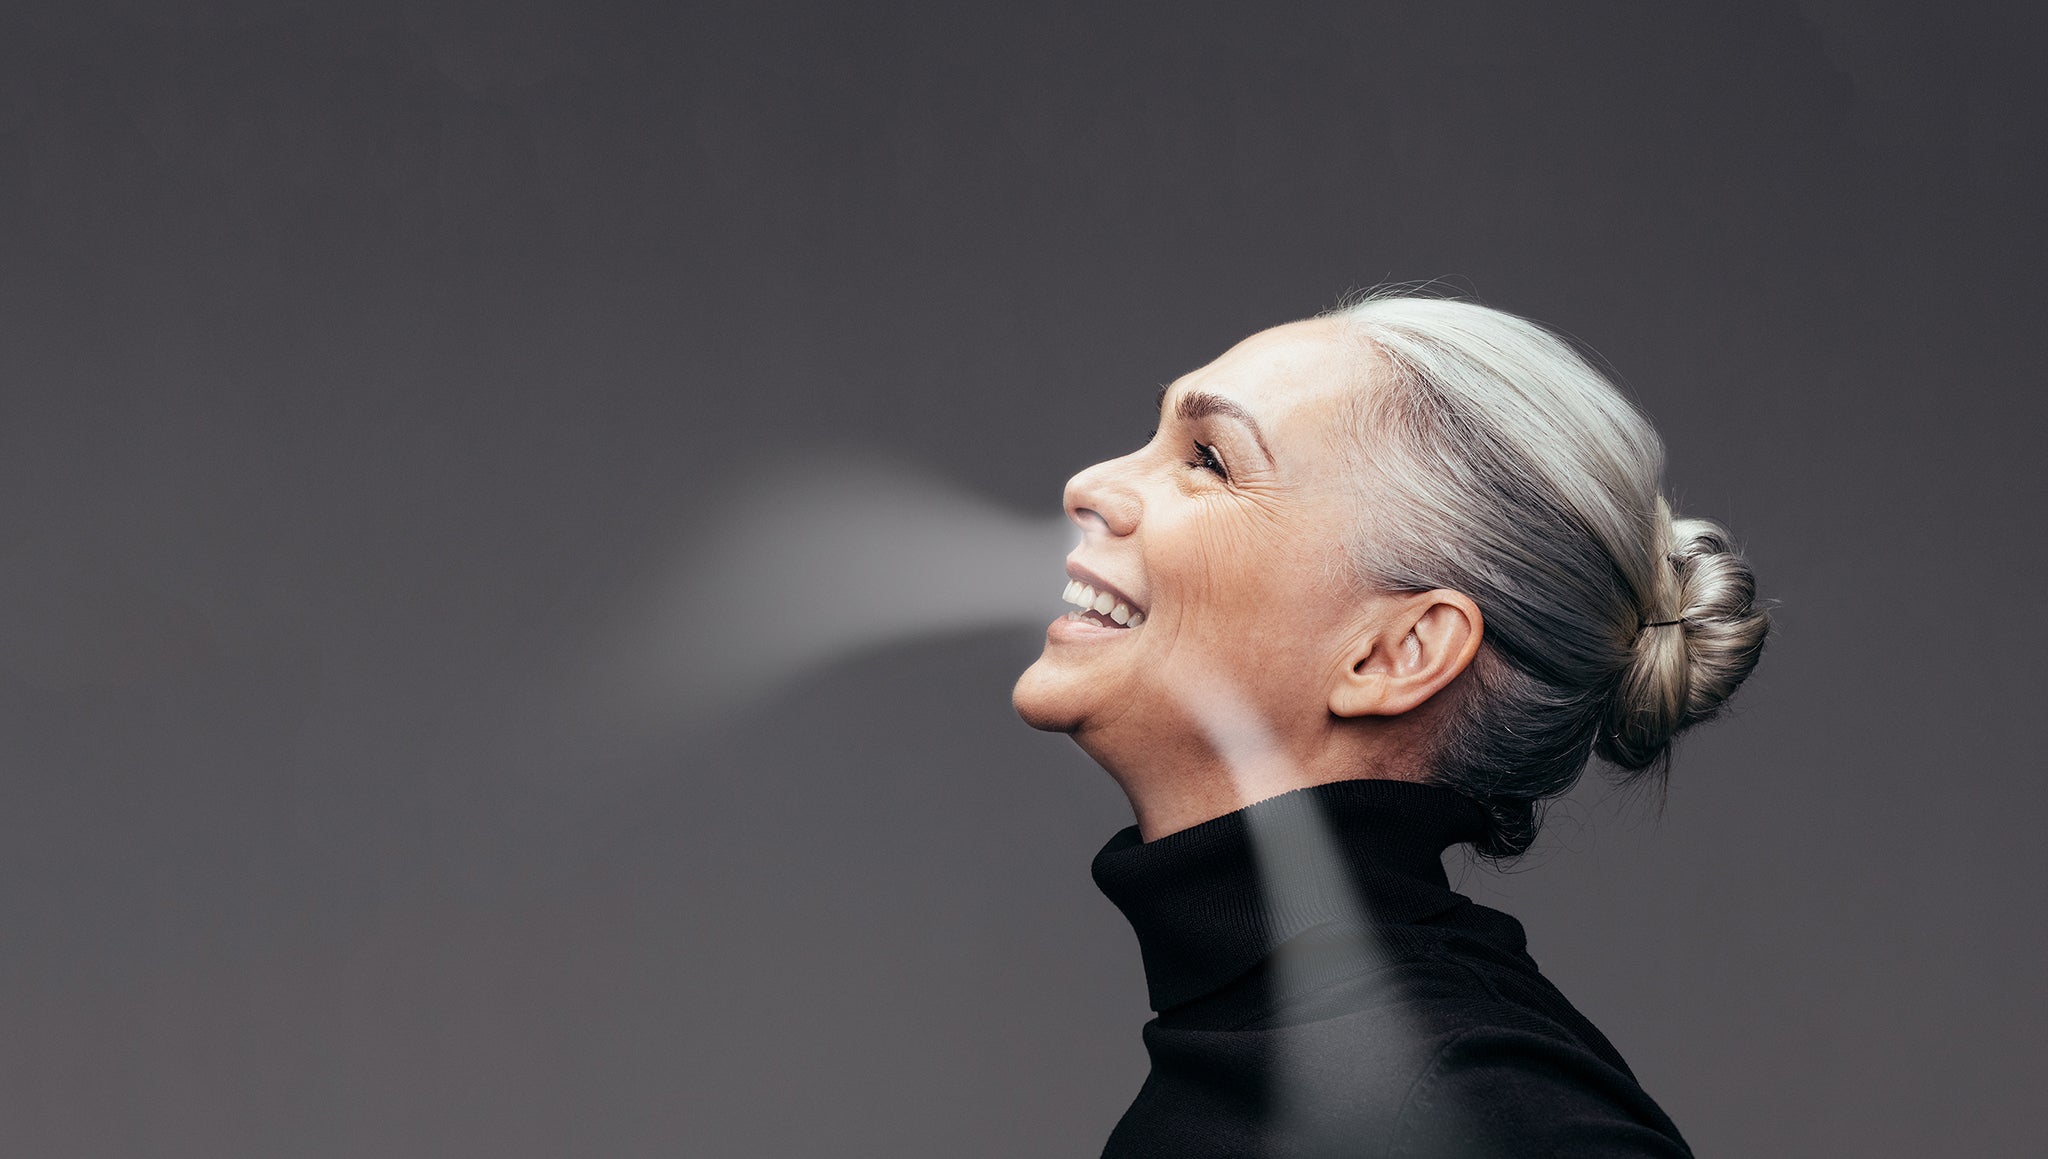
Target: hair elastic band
(1660,623)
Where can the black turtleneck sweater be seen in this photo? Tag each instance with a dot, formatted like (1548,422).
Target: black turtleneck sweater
(1321,991)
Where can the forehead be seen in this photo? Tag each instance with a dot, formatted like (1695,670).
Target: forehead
(1311,365)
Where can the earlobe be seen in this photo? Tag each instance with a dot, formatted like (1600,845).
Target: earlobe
(1405,659)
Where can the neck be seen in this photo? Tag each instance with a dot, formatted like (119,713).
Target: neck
(1178,783)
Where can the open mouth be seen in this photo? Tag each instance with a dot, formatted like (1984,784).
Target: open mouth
(1097,606)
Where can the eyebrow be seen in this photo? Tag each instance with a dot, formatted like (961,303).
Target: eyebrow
(1200,404)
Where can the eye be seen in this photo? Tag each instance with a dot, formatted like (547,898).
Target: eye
(1205,459)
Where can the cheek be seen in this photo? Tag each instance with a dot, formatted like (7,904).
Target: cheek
(1262,602)
(1231,576)
(1252,554)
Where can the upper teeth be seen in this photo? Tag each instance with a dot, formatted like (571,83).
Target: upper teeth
(1088,599)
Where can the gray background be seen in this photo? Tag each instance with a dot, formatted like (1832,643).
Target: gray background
(357,359)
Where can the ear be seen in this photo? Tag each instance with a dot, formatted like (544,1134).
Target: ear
(1414,646)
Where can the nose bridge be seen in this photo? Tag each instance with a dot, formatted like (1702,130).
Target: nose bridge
(1106,491)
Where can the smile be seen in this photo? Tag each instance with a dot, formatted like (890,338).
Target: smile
(1100,607)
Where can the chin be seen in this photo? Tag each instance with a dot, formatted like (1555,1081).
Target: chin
(1044,701)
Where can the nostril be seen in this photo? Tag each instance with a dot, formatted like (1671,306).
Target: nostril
(1098,502)
(1085,516)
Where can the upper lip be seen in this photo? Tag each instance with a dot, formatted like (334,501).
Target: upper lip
(1077,572)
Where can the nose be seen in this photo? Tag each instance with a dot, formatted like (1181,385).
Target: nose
(1101,499)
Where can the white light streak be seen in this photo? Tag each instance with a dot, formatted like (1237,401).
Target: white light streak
(807,561)
(1301,867)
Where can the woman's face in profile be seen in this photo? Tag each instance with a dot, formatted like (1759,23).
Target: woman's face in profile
(1224,536)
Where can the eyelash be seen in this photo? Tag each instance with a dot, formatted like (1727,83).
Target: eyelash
(1206,458)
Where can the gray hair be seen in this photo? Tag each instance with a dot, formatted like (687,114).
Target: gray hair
(1494,460)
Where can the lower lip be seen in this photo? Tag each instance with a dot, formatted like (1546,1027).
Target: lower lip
(1079,630)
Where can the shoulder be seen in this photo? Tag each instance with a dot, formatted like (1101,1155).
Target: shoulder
(1506,1090)
(1497,1061)
(1473,1080)
(1509,1066)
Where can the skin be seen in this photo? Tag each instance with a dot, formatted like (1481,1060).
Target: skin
(1252,619)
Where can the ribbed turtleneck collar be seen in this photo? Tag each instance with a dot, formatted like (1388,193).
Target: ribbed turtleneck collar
(1210,902)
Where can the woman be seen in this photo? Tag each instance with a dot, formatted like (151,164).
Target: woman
(1380,584)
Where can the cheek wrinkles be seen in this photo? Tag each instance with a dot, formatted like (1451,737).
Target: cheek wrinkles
(1226,543)
(1263,522)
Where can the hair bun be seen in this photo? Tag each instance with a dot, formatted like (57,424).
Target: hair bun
(1683,674)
